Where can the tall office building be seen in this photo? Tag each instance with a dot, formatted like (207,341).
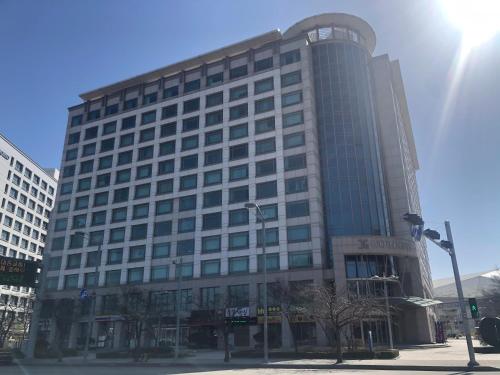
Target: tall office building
(158,168)
(27,193)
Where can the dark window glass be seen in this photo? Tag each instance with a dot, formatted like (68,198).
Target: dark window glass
(290,57)
(272,262)
(171,92)
(86,166)
(187,203)
(238,151)
(215,79)
(238,111)
(213,138)
(142,191)
(123,176)
(103,180)
(128,123)
(238,194)
(188,143)
(294,162)
(212,221)
(188,182)
(111,109)
(297,209)
(119,214)
(167,148)
(266,190)
(148,117)
(239,71)
(191,123)
(109,128)
(94,115)
(147,135)
(238,217)
(264,85)
(169,129)
(212,177)
(99,218)
(265,167)
(91,133)
(106,162)
(238,131)
(264,146)
(166,166)
(291,98)
(238,241)
(127,139)
(214,118)
(125,157)
(238,265)
(89,149)
(76,120)
(300,259)
(145,153)
(213,157)
(73,138)
(269,211)
(150,98)
(137,253)
(239,92)
(162,228)
(294,140)
(296,185)
(115,256)
(164,207)
(192,85)
(130,103)
(144,171)
(187,224)
(120,195)
(189,162)
(161,250)
(211,244)
(191,105)
(264,105)
(298,233)
(212,198)
(238,172)
(293,118)
(291,78)
(71,154)
(165,186)
(107,144)
(185,247)
(263,64)
(214,99)
(169,111)
(272,237)
(264,125)
(138,232)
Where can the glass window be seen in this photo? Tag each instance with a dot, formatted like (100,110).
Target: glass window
(263,64)
(101,199)
(212,198)
(162,228)
(164,186)
(238,241)
(86,166)
(297,209)
(73,261)
(169,111)
(215,78)
(76,120)
(142,191)
(213,157)
(214,118)
(91,133)
(214,99)
(290,57)
(124,158)
(238,131)
(192,85)
(138,232)
(291,78)
(191,105)
(269,211)
(214,137)
(266,190)
(187,203)
(113,277)
(119,214)
(144,171)
(238,217)
(238,172)
(135,275)
(167,130)
(161,250)
(123,176)
(264,85)
(294,140)
(239,92)
(212,221)
(238,111)
(185,247)
(89,149)
(238,265)
(115,256)
(212,177)
(127,140)
(211,244)
(238,151)
(147,135)
(294,162)
(167,148)
(109,128)
(145,153)
(71,154)
(188,143)
(238,194)
(128,122)
(99,218)
(54,263)
(130,103)
(68,171)
(165,166)
(264,105)
(264,125)
(191,123)
(103,180)
(73,138)
(186,270)
(137,253)
(140,211)
(265,146)
(120,195)
(291,98)
(265,167)
(187,224)
(105,162)
(71,281)
(298,233)
(164,207)
(296,185)
(238,72)
(170,92)
(159,273)
(189,162)
(272,262)
(272,237)
(107,144)
(81,202)
(84,184)
(293,118)
(301,259)
(188,182)
(210,267)
(63,206)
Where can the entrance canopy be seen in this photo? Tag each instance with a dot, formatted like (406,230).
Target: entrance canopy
(415,301)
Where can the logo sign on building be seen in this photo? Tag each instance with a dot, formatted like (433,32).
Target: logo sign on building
(18,272)
(236,312)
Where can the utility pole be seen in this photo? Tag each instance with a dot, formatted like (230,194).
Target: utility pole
(458,282)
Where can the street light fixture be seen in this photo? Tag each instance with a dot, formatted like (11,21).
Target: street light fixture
(93,296)
(448,246)
(248,206)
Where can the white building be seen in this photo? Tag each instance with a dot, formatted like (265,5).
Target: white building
(27,194)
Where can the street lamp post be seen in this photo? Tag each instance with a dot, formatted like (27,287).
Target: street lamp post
(93,296)
(248,206)
(449,247)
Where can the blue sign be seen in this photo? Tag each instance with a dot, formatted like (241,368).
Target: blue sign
(84,294)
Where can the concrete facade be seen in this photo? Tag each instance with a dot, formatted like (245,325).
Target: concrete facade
(158,168)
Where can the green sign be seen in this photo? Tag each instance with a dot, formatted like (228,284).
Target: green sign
(18,272)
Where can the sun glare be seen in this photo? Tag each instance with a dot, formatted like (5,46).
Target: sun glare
(479,20)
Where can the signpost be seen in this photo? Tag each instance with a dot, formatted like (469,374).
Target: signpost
(18,272)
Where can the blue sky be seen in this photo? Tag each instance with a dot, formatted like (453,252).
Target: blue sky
(51,51)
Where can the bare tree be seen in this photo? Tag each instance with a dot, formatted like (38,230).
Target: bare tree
(336,310)
(8,312)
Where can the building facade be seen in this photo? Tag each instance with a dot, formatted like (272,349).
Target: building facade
(27,194)
(157,169)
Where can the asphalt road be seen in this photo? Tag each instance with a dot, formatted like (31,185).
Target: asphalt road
(107,370)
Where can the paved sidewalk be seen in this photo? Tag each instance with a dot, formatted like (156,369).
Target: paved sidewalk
(452,357)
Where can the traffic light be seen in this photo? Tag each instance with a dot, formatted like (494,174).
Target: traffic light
(413,219)
(473,308)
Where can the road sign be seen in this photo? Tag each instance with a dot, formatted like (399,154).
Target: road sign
(18,272)
(84,294)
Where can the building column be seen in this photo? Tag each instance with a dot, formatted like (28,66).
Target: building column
(73,335)
(321,338)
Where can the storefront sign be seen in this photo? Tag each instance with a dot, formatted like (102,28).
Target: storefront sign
(18,272)
(234,312)
(271,319)
(271,310)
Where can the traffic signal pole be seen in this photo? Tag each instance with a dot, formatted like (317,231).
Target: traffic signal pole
(458,282)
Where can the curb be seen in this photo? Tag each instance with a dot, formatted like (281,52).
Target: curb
(230,365)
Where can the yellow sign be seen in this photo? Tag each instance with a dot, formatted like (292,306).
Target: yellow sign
(270,319)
